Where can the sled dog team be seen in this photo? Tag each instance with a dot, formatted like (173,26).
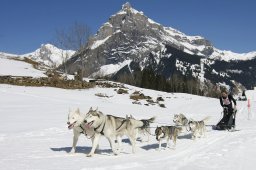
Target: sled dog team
(95,124)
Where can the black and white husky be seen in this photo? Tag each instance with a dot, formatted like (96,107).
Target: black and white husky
(113,128)
(167,132)
(198,128)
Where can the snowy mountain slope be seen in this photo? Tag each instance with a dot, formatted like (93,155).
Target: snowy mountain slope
(34,134)
(8,66)
(47,54)
(131,35)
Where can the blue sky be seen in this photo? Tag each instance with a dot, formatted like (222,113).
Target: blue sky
(228,24)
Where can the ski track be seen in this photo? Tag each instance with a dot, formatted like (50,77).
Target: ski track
(45,144)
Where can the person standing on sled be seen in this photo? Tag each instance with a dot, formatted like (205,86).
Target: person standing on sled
(228,120)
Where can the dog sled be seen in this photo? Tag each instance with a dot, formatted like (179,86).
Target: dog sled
(227,122)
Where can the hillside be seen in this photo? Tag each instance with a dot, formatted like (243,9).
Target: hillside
(34,133)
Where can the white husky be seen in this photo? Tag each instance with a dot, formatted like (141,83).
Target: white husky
(112,128)
(76,122)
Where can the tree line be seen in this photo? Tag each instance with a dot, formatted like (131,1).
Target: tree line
(177,83)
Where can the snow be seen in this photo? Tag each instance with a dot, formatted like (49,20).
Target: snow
(34,134)
(235,71)
(98,43)
(187,42)
(229,55)
(18,68)
(152,22)
(110,68)
(47,54)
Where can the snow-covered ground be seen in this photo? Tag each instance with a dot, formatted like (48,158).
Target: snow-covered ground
(34,133)
(8,66)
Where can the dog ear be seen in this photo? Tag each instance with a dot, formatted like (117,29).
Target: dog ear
(77,111)
(90,109)
(96,109)
(97,114)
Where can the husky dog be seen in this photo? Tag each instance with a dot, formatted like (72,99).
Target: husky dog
(167,132)
(112,128)
(144,129)
(197,127)
(181,120)
(75,122)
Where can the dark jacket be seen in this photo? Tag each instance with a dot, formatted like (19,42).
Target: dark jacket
(227,102)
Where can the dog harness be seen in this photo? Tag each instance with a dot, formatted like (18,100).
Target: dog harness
(83,130)
(101,132)
(121,124)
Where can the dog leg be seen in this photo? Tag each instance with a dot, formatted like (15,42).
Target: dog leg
(174,140)
(75,139)
(160,143)
(167,143)
(119,141)
(132,140)
(204,132)
(193,136)
(112,145)
(147,133)
(94,145)
(92,139)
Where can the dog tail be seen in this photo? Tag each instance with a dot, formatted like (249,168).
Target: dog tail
(146,122)
(152,119)
(206,119)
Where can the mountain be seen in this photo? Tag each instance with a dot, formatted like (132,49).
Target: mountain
(47,55)
(131,41)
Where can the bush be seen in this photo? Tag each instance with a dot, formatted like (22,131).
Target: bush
(160,99)
(162,105)
(122,91)
(139,96)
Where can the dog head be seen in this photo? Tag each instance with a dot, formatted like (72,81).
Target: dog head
(159,133)
(74,119)
(92,117)
(177,119)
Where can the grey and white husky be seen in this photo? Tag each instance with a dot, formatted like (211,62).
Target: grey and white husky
(143,130)
(167,132)
(76,122)
(112,128)
(197,128)
(181,120)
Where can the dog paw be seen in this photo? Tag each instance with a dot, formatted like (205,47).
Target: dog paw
(89,155)
(117,152)
(158,149)
(72,151)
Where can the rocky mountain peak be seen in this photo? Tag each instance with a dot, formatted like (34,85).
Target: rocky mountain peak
(131,40)
(126,6)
